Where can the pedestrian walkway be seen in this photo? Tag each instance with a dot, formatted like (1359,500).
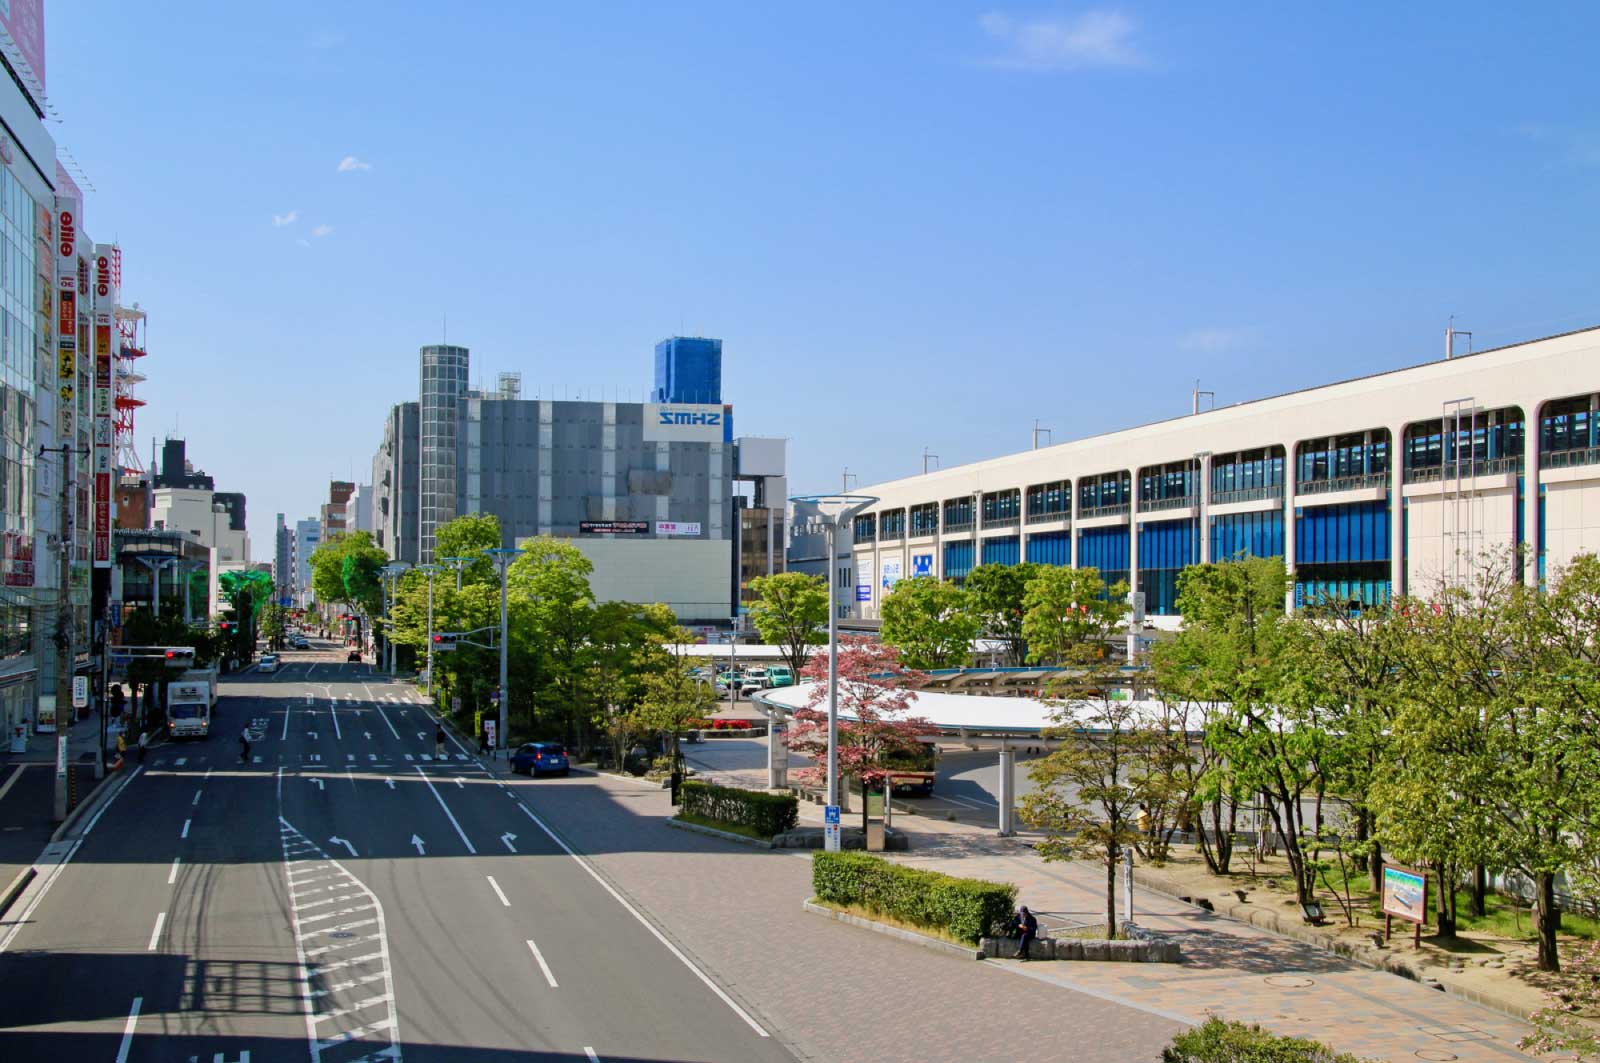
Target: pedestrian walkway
(1230,969)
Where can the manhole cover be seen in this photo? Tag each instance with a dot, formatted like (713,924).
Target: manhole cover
(1434,1053)
(1288,981)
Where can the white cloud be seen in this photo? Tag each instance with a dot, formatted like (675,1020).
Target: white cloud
(280,220)
(349,164)
(1092,39)
(1212,340)
(322,230)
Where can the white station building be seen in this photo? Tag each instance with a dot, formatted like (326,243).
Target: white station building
(1382,485)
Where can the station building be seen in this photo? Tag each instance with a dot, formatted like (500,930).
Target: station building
(1382,485)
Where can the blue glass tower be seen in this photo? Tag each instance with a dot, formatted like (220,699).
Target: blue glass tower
(688,369)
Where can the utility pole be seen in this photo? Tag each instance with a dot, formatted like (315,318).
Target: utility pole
(430,570)
(63,632)
(502,557)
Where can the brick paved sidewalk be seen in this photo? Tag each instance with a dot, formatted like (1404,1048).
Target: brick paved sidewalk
(1230,969)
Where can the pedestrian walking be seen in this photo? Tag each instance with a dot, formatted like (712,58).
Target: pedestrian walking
(485,747)
(438,741)
(144,744)
(1028,926)
(118,699)
(244,744)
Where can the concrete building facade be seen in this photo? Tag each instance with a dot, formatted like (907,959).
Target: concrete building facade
(396,476)
(1382,485)
(442,383)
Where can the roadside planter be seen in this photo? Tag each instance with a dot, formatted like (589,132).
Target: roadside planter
(1137,945)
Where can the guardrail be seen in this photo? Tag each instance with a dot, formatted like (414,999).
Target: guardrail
(1045,518)
(1002,522)
(1486,467)
(1342,483)
(1157,505)
(1120,509)
(1247,494)
(1566,459)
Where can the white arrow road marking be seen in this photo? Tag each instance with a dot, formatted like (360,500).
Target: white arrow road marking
(368,734)
(324,789)
(498,892)
(452,815)
(310,700)
(349,756)
(421,735)
(344,842)
(372,756)
(355,1008)
(548,977)
(410,757)
(311,734)
(418,843)
(508,838)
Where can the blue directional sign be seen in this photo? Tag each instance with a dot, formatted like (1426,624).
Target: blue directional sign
(830,815)
(922,564)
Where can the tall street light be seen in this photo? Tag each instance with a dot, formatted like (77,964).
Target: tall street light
(829,512)
(502,556)
(392,573)
(457,563)
(430,570)
(155,566)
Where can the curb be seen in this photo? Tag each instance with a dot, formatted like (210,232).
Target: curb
(909,936)
(1381,960)
(712,832)
(103,795)
(18,884)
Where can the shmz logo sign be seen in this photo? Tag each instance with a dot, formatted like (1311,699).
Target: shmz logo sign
(677,417)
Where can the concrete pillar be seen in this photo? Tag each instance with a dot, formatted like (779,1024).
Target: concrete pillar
(1203,495)
(1397,524)
(1291,472)
(1008,795)
(1072,524)
(1530,496)
(777,752)
(1133,532)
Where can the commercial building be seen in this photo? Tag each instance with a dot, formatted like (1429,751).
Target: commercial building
(307,536)
(442,384)
(688,370)
(1382,485)
(333,513)
(283,563)
(652,493)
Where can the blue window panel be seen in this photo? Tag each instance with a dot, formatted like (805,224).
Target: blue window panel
(1002,551)
(1168,544)
(1251,534)
(1050,548)
(1366,591)
(957,559)
(1105,549)
(1330,535)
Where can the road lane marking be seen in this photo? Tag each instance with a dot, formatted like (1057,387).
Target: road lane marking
(280,782)
(185,833)
(127,1030)
(287,712)
(155,935)
(11,781)
(452,815)
(196,800)
(332,711)
(545,967)
(498,892)
(386,719)
(658,935)
(590,1053)
(172,876)
(180,762)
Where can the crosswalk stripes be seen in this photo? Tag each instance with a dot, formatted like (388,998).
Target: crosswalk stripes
(342,946)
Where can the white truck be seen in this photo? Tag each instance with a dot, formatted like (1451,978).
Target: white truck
(190,699)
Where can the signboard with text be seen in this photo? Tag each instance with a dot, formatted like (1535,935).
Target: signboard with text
(675,527)
(890,573)
(687,423)
(614,527)
(864,580)
(1404,897)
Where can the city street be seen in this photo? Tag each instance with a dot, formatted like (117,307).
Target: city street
(346,894)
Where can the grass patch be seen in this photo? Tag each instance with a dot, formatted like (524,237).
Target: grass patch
(889,920)
(1515,923)
(717,824)
(1086,933)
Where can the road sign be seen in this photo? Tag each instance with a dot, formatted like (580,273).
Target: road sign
(488,732)
(455,703)
(80,691)
(477,722)
(830,814)
(830,829)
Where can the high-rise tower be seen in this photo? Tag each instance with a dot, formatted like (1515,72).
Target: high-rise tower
(443,383)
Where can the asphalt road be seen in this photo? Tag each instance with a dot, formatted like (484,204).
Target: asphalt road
(344,894)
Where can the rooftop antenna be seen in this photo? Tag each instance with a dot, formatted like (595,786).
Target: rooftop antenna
(926,457)
(1037,430)
(1450,334)
(1198,395)
(846,478)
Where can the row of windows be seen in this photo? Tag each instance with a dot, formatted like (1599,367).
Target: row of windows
(1250,470)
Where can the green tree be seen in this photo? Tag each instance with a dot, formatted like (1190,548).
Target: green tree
(930,622)
(1069,614)
(672,700)
(347,568)
(791,612)
(997,596)
(553,610)
(470,536)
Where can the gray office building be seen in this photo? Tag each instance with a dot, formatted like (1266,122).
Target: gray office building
(442,383)
(396,475)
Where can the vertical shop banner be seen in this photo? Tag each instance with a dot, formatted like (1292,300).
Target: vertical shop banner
(67,345)
(107,272)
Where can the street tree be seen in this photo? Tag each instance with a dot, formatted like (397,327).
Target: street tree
(930,622)
(672,700)
(1069,614)
(876,690)
(790,611)
(470,536)
(997,596)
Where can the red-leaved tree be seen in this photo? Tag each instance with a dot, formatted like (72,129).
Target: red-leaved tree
(875,690)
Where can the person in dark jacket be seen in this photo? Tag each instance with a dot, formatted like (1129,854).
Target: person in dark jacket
(1028,926)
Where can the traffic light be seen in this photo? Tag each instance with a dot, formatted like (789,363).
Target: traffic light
(444,641)
(226,627)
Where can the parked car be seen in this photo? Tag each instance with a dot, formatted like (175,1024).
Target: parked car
(779,675)
(541,758)
(754,680)
(353,657)
(268,663)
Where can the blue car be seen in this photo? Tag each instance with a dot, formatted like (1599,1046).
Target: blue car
(541,758)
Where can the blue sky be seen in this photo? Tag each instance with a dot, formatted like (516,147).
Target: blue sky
(910,223)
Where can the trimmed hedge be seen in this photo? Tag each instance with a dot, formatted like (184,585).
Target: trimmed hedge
(766,814)
(1216,1041)
(965,908)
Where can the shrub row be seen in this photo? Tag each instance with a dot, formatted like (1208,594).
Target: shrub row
(1216,1041)
(704,724)
(965,908)
(766,814)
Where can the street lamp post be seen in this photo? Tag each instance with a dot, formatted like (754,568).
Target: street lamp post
(832,511)
(155,566)
(392,572)
(430,570)
(502,557)
(457,563)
